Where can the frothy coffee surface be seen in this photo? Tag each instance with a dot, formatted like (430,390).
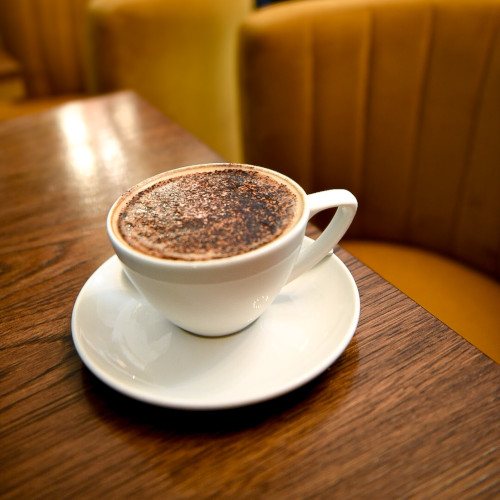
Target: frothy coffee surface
(207,214)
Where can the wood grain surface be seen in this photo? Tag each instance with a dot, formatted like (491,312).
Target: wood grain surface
(410,410)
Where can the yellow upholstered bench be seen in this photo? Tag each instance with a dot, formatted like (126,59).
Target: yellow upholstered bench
(399,102)
(466,300)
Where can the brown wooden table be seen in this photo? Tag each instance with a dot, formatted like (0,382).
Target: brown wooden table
(410,410)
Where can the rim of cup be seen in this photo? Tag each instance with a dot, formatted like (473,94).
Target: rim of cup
(122,247)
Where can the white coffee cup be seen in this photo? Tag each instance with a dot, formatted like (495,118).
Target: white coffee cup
(224,295)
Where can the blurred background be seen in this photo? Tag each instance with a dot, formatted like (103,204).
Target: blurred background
(179,55)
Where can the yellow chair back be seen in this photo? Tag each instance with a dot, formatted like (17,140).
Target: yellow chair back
(180,55)
(396,100)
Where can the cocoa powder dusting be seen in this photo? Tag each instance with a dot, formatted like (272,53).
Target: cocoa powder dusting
(207,215)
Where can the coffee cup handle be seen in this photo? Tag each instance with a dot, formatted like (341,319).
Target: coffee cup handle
(346,205)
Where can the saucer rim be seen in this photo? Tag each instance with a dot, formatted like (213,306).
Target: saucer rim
(162,399)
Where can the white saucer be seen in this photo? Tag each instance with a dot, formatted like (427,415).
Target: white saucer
(130,347)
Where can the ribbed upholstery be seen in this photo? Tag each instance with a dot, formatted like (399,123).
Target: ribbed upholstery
(45,36)
(398,101)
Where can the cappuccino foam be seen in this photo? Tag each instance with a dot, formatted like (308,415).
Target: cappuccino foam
(202,214)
